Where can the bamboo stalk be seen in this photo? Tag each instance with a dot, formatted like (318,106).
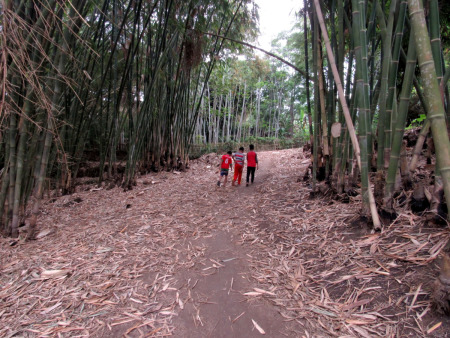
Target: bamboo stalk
(348,120)
(362,92)
(316,116)
(12,169)
(19,176)
(393,69)
(338,154)
(306,49)
(419,145)
(401,120)
(386,35)
(431,93)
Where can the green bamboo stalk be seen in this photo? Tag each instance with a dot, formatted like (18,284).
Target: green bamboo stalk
(371,36)
(19,175)
(435,37)
(365,77)
(333,114)
(338,151)
(306,49)
(386,35)
(59,59)
(348,151)
(39,183)
(322,98)
(4,190)
(12,167)
(351,129)
(392,85)
(401,121)
(315,43)
(432,93)
(362,100)
(347,148)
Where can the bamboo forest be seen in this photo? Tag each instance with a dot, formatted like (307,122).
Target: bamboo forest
(119,215)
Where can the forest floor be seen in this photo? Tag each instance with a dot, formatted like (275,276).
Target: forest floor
(179,256)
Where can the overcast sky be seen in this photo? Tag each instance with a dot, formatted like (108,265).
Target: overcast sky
(275,16)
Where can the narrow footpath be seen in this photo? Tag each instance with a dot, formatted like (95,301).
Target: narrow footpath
(218,284)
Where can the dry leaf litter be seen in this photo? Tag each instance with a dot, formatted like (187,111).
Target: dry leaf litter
(108,262)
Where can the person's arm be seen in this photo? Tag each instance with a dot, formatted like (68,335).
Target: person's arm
(256,160)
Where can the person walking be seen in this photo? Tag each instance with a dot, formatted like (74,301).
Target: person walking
(226,163)
(239,158)
(252,164)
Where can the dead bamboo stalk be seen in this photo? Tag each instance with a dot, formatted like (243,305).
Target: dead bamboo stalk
(348,119)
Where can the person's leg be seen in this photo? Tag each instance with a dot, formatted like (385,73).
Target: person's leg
(248,176)
(226,179)
(220,178)
(253,174)
(240,174)
(236,175)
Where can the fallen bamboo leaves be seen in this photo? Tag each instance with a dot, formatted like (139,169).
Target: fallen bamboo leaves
(106,268)
(259,328)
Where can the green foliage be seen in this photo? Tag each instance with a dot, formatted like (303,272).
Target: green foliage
(260,143)
(417,122)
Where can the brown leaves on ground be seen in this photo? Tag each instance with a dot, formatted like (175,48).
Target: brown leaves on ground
(107,265)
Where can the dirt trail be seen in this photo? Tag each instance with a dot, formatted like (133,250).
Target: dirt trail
(214,287)
(178,256)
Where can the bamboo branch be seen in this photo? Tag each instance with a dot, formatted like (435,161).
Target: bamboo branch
(261,50)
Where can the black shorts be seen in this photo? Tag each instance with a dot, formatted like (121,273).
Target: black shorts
(223,172)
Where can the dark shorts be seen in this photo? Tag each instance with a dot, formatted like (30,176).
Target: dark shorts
(223,172)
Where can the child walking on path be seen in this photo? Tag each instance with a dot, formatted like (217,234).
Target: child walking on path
(252,163)
(226,163)
(239,158)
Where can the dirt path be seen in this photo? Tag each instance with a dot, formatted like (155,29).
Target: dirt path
(214,287)
(177,256)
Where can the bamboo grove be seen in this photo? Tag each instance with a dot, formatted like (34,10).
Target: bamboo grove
(360,66)
(379,53)
(105,75)
(141,81)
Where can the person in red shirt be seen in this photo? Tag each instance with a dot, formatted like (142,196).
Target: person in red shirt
(226,163)
(252,163)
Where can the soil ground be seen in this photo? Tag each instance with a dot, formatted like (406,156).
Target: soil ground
(179,256)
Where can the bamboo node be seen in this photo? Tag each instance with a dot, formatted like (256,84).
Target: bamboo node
(437,116)
(429,62)
(412,13)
